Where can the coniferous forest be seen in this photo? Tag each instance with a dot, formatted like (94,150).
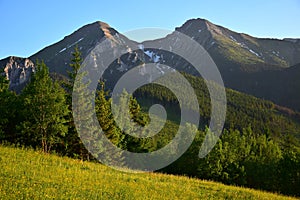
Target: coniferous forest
(259,146)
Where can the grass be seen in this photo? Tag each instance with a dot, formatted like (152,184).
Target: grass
(28,174)
(234,52)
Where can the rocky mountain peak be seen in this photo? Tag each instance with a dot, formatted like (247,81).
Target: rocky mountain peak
(18,71)
(198,25)
(58,55)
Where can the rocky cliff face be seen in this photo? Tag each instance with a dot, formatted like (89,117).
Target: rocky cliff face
(18,71)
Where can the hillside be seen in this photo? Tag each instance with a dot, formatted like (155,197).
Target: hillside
(285,81)
(256,66)
(259,146)
(27,174)
(239,51)
(242,109)
(57,56)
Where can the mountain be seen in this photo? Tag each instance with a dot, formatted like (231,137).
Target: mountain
(280,86)
(57,56)
(265,68)
(234,51)
(17,70)
(243,110)
(257,66)
(260,144)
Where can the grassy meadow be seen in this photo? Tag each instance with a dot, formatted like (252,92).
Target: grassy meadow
(29,174)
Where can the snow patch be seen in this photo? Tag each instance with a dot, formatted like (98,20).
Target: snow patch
(232,38)
(141,46)
(149,53)
(254,52)
(276,53)
(156,58)
(243,45)
(62,50)
(75,42)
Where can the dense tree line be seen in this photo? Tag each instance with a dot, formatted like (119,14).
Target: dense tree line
(257,149)
(242,109)
(245,159)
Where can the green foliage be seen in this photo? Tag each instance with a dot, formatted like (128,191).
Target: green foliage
(73,143)
(235,52)
(8,110)
(4,84)
(289,177)
(243,158)
(76,63)
(45,111)
(242,109)
(109,127)
(259,147)
(104,114)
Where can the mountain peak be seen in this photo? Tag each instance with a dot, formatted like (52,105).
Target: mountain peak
(96,26)
(107,30)
(195,23)
(203,29)
(99,24)
(86,38)
(103,24)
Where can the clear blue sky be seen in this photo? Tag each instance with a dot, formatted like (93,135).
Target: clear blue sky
(28,26)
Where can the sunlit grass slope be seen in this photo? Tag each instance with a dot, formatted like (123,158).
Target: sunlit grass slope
(27,174)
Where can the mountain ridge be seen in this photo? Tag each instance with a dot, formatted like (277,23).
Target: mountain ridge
(255,50)
(56,57)
(241,58)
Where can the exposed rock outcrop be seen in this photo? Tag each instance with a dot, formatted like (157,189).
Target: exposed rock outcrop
(18,71)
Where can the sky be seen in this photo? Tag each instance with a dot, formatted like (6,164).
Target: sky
(28,26)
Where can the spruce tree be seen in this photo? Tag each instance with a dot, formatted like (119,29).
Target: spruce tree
(74,145)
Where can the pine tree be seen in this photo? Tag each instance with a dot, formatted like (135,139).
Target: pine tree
(135,112)
(45,111)
(110,129)
(103,111)
(74,145)
(75,64)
